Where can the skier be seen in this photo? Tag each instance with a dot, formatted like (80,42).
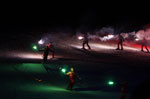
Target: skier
(45,54)
(144,44)
(51,48)
(72,77)
(85,41)
(120,42)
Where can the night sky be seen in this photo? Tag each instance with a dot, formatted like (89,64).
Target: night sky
(74,16)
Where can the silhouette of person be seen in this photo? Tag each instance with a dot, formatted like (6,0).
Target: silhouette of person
(45,54)
(144,44)
(86,41)
(51,48)
(120,42)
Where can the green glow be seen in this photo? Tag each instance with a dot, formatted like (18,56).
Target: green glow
(32,68)
(35,47)
(42,88)
(63,70)
(110,83)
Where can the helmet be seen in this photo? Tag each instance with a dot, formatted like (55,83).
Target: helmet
(72,69)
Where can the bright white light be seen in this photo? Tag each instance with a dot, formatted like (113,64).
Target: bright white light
(137,39)
(80,37)
(41,42)
(108,37)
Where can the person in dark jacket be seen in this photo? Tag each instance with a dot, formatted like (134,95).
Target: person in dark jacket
(144,44)
(86,41)
(120,42)
(51,49)
(45,54)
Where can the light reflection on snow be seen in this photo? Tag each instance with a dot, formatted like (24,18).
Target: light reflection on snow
(27,55)
(30,56)
(96,46)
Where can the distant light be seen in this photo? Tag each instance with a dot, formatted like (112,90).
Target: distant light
(110,83)
(40,42)
(80,37)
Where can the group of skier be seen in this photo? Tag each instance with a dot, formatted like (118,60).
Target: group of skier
(121,40)
(50,46)
(119,44)
(71,73)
